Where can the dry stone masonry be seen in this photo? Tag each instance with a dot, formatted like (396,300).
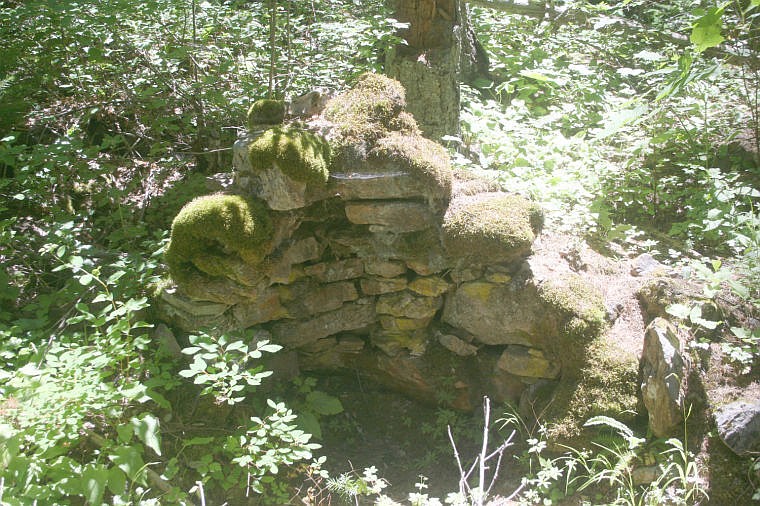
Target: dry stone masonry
(350,240)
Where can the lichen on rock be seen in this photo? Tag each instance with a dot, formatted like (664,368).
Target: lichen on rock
(212,229)
(301,155)
(266,112)
(490,227)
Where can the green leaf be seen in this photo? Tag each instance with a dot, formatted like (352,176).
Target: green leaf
(619,119)
(94,481)
(695,313)
(308,423)
(324,404)
(708,324)
(706,31)
(270,348)
(117,481)
(537,76)
(678,310)
(147,429)
(129,460)
(124,433)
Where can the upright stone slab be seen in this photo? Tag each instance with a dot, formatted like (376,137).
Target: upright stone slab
(663,373)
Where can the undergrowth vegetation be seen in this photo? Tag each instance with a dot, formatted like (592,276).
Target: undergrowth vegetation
(111,116)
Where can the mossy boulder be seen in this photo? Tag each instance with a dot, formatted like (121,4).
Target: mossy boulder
(424,159)
(301,155)
(266,112)
(369,109)
(579,305)
(366,113)
(490,228)
(211,231)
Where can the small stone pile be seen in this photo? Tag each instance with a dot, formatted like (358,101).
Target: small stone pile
(350,240)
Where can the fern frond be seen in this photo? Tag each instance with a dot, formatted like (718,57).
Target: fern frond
(620,427)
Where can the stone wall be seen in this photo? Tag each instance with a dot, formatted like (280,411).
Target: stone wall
(392,265)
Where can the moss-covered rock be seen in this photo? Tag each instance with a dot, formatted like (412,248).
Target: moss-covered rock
(604,383)
(266,112)
(580,306)
(368,110)
(426,160)
(299,154)
(490,228)
(213,230)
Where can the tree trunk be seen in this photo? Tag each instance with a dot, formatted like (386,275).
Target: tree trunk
(440,50)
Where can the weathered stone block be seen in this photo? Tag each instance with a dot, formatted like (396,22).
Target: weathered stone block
(393,342)
(329,272)
(430,286)
(495,313)
(403,324)
(529,362)
(738,425)
(351,316)
(395,216)
(384,268)
(305,299)
(193,307)
(379,286)
(463,274)
(664,369)
(490,228)
(225,291)
(383,184)
(457,346)
(281,192)
(265,308)
(408,305)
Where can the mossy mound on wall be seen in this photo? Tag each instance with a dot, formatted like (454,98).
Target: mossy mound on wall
(426,160)
(490,227)
(299,154)
(266,112)
(369,109)
(211,229)
(580,304)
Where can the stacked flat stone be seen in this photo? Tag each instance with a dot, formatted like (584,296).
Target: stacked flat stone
(383,269)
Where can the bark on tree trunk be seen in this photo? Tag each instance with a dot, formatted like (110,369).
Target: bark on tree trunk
(440,50)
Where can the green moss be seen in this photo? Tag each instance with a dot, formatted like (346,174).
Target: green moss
(366,112)
(210,230)
(299,154)
(266,112)
(605,384)
(405,123)
(490,228)
(580,304)
(423,158)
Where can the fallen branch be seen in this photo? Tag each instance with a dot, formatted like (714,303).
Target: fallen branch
(479,494)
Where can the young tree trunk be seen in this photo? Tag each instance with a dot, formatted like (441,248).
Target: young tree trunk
(441,49)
